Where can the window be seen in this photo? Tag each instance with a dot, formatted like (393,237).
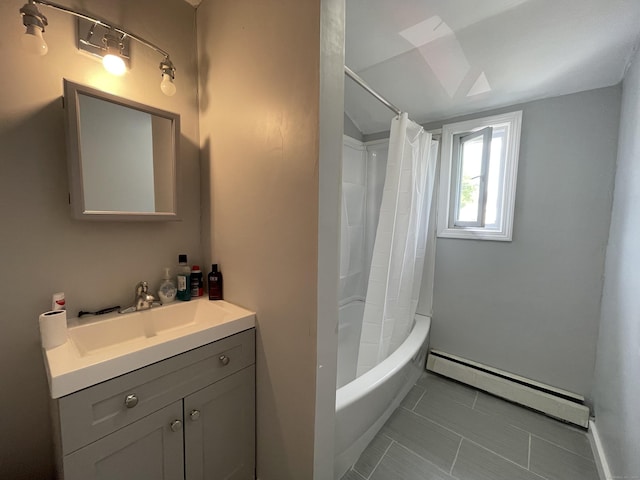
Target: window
(478,177)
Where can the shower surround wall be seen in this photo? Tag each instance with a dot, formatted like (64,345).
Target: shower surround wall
(353,224)
(363,172)
(43,249)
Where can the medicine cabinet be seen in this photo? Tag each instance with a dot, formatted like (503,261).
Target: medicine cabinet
(121,157)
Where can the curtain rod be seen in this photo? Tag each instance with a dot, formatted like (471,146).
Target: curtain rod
(356,78)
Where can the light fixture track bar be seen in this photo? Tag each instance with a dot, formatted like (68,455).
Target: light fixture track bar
(356,78)
(102,23)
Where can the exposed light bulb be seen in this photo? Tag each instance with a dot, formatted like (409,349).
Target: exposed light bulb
(114,64)
(167,86)
(33,42)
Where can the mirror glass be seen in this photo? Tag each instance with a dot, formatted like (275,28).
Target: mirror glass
(122,157)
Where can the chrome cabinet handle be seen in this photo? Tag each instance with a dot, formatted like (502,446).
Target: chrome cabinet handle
(131,401)
(224,360)
(176,426)
(195,415)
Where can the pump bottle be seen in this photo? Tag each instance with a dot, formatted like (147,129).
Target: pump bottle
(167,290)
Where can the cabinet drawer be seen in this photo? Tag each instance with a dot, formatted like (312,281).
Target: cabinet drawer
(94,412)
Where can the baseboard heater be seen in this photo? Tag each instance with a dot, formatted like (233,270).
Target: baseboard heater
(557,403)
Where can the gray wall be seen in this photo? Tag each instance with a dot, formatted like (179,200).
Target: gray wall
(617,386)
(43,249)
(531,306)
(259,123)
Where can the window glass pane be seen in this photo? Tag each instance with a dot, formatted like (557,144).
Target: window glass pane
(494,177)
(469,181)
(478,177)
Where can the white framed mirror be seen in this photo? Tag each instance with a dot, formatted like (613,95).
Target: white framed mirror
(121,156)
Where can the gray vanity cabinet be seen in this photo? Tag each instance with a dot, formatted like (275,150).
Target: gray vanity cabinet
(221,419)
(191,417)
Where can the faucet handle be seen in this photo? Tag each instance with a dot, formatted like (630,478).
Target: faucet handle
(142,287)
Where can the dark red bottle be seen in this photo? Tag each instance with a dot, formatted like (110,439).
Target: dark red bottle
(215,283)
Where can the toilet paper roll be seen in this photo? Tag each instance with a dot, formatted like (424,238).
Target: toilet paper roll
(53,328)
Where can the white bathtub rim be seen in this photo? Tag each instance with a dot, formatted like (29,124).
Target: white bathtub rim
(344,460)
(361,386)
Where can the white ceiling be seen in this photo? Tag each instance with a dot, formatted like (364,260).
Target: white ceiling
(436,59)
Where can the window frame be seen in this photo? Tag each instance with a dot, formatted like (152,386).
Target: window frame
(456,168)
(503,230)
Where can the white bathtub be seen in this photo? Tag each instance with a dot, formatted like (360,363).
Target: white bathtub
(364,404)
(350,327)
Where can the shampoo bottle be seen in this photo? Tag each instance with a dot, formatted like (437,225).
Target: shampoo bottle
(184,279)
(167,290)
(215,283)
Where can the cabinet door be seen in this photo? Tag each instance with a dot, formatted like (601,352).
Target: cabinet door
(220,429)
(149,449)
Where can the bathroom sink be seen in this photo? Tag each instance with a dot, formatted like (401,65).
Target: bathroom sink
(123,331)
(92,337)
(115,344)
(191,315)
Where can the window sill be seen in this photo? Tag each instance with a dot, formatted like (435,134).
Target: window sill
(476,234)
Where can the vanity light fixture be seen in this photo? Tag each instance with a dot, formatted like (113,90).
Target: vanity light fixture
(112,60)
(168,74)
(34,21)
(114,48)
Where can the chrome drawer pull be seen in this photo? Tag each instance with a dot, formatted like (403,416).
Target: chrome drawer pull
(131,401)
(176,426)
(195,415)
(224,360)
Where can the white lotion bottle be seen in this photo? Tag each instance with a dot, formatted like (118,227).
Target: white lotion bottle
(167,291)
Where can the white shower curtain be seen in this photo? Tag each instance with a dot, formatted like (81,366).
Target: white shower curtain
(400,244)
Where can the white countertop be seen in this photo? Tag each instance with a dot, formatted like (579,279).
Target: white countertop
(99,349)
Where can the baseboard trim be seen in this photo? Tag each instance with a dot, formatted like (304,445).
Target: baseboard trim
(598,452)
(560,404)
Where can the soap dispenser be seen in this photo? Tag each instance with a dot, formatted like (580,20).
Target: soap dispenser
(168,290)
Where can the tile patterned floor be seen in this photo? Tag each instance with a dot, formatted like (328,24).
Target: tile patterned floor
(447,431)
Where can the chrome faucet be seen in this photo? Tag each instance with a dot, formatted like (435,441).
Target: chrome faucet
(143,299)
